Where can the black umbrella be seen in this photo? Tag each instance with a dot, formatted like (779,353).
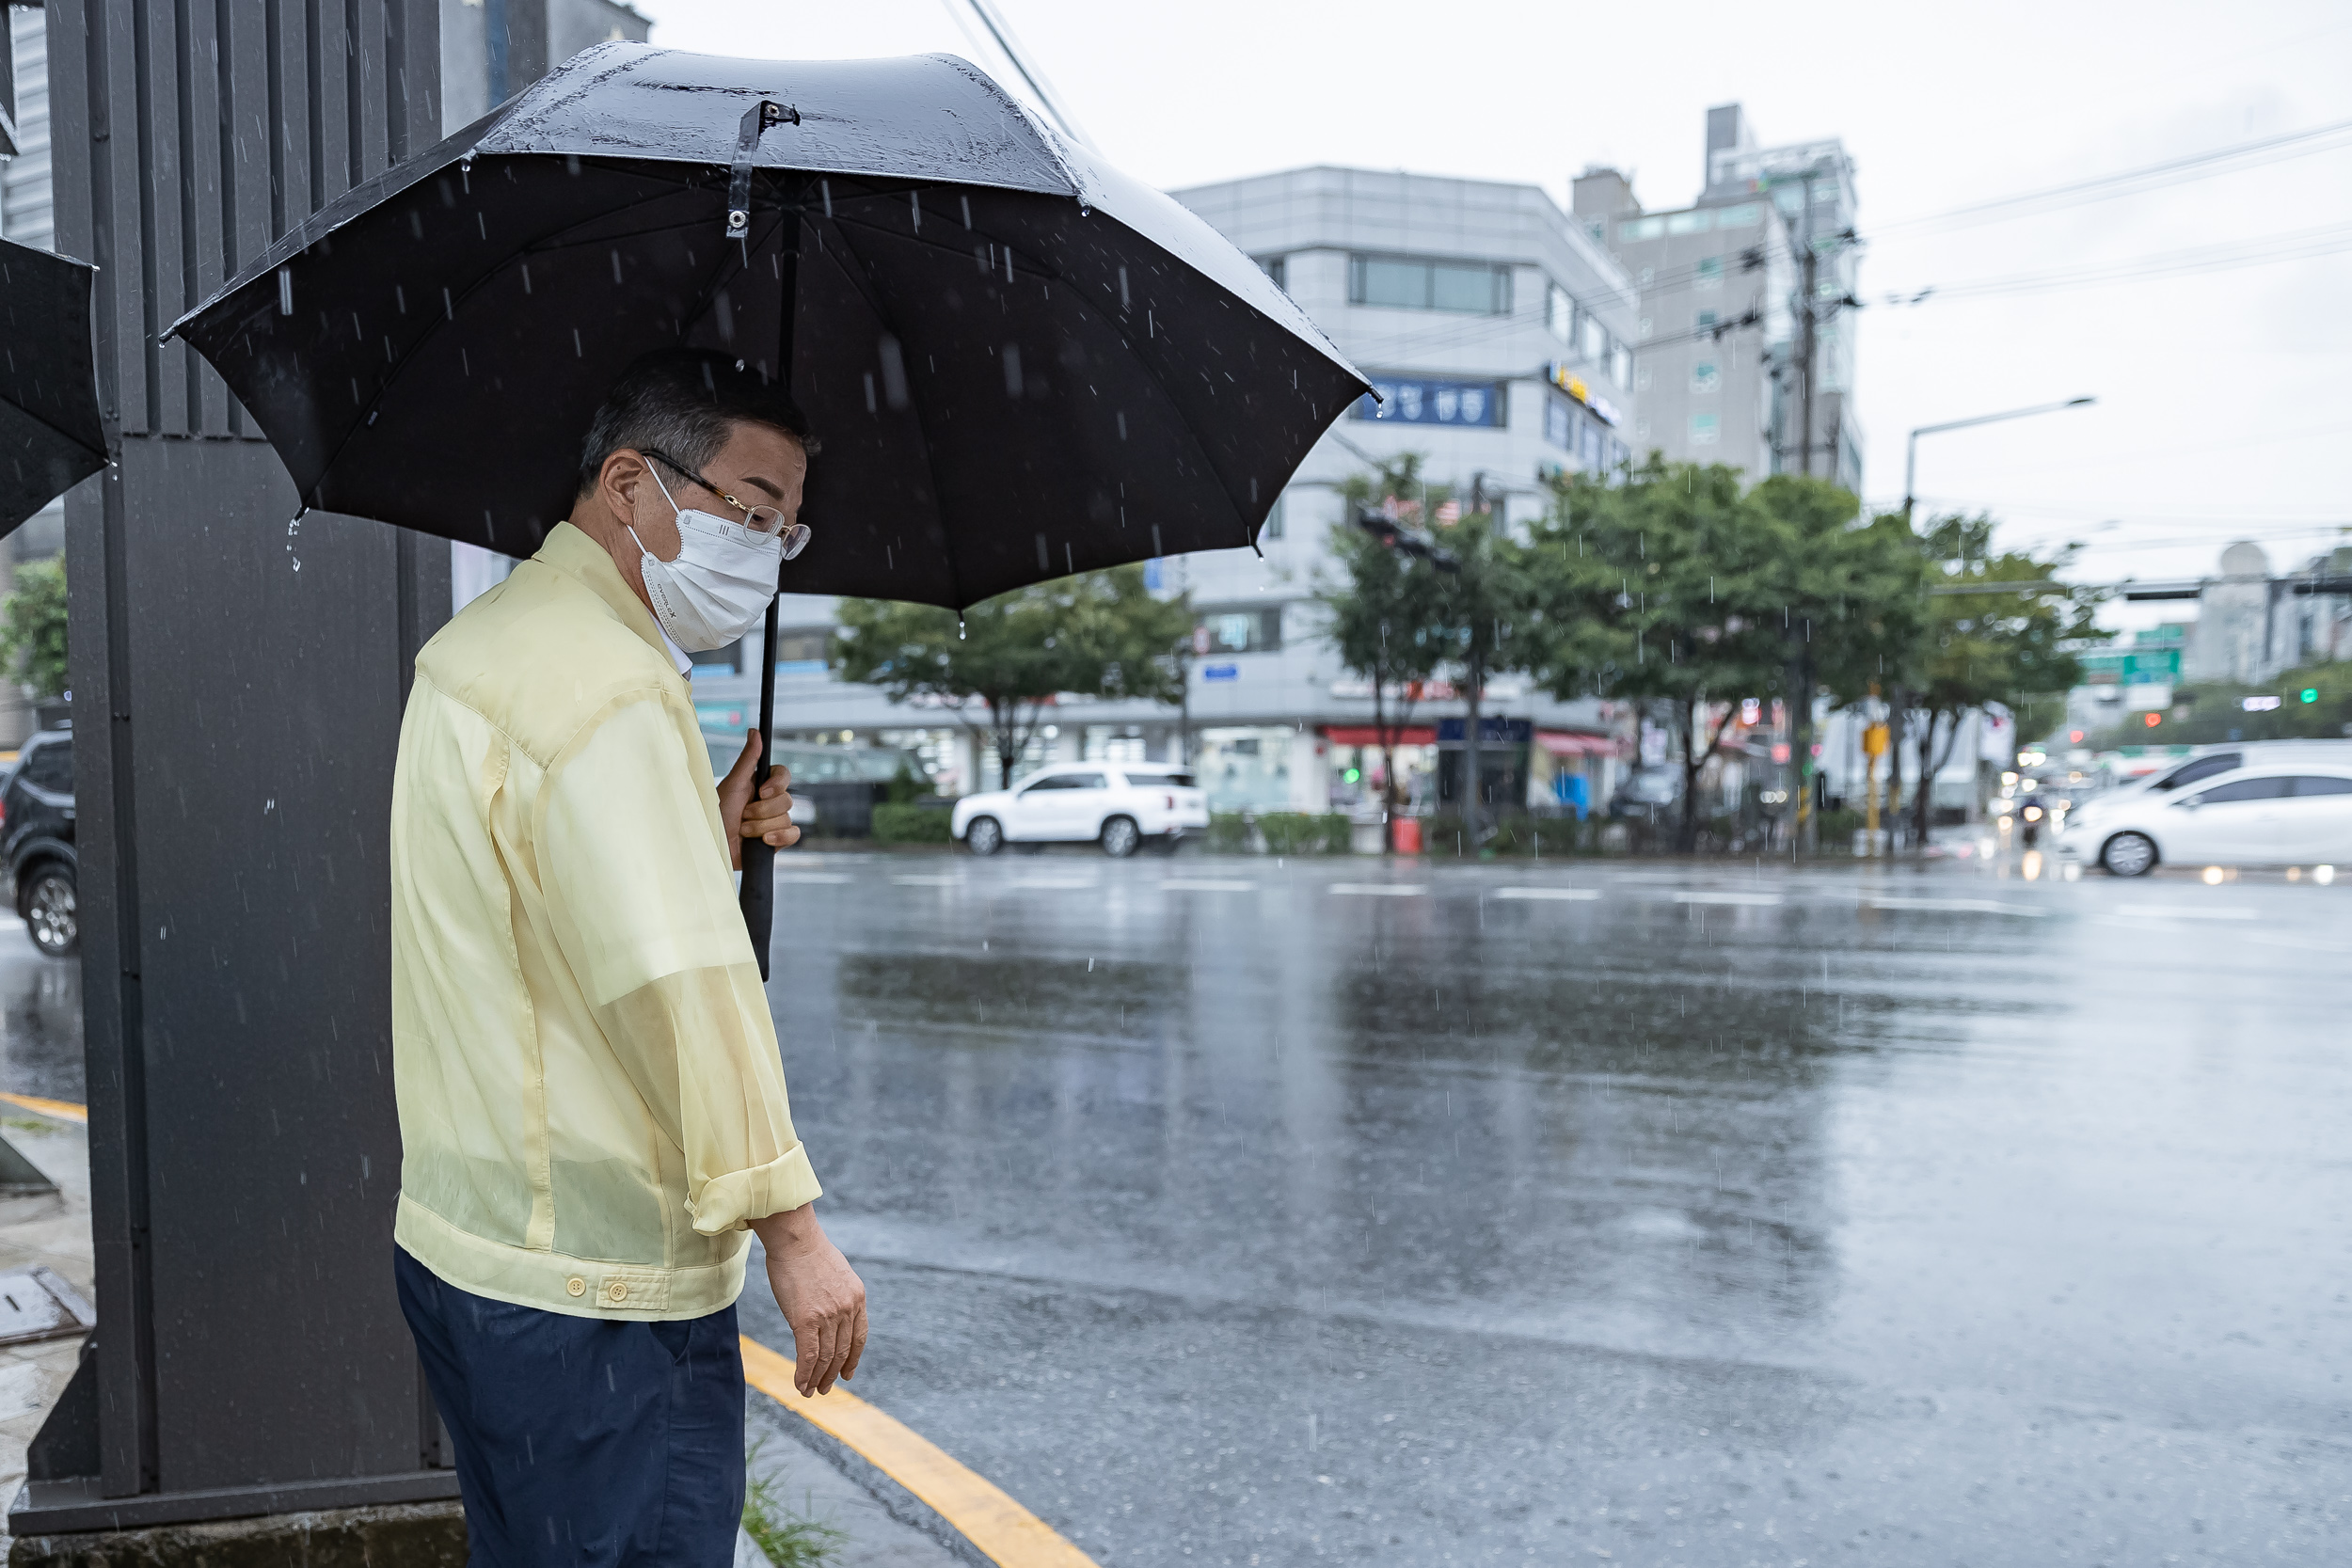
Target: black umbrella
(1021,363)
(51,439)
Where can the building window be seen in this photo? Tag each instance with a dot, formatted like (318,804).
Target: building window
(1593,339)
(1693,222)
(1708,274)
(719,661)
(1641,228)
(1273,529)
(1241,628)
(801,651)
(1621,366)
(1746,216)
(1559,312)
(1559,424)
(1705,319)
(1789,198)
(1273,267)
(1705,377)
(1703,429)
(1476,288)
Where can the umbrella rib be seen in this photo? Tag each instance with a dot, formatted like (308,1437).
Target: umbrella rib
(1086,298)
(410,350)
(862,279)
(75,441)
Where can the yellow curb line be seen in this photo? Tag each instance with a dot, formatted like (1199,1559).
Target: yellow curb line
(975,1509)
(63,1110)
(1002,1528)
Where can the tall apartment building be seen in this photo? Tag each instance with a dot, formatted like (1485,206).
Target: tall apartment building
(1723,321)
(1501,336)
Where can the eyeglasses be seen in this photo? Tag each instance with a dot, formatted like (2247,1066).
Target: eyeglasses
(759,519)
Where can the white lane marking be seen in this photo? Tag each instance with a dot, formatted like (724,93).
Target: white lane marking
(1578,895)
(824,876)
(2183,912)
(1058,884)
(1380,890)
(1954,905)
(1206,884)
(926,882)
(1758,900)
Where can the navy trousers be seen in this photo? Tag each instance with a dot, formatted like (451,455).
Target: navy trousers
(580,1442)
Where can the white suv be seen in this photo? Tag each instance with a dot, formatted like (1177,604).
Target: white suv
(1117,805)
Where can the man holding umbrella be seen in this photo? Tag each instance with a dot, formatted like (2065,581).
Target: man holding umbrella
(591,1106)
(1029,366)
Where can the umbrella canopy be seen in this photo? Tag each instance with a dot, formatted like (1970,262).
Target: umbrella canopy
(51,437)
(1020,362)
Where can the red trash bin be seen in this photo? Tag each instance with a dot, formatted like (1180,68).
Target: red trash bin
(1407,834)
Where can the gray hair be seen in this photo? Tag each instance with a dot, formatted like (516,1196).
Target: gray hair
(685,402)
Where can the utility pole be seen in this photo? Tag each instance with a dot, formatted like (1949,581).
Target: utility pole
(1808,270)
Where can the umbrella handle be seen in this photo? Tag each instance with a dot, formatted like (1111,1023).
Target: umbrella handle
(758,897)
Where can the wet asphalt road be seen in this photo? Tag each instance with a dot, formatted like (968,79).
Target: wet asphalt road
(1235,1211)
(1231,1211)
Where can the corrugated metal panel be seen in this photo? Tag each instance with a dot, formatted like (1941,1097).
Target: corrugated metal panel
(239,685)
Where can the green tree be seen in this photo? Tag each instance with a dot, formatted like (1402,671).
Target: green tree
(32,629)
(1678,590)
(1490,607)
(1385,617)
(1851,610)
(1469,612)
(1665,589)
(1000,665)
(2008,646)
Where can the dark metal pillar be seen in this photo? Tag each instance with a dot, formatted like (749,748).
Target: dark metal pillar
(238,682)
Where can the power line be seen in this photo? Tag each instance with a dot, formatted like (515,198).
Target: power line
(2198,166)
(2301,244)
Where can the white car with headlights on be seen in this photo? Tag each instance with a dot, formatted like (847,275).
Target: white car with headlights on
(1122,806)
(2268,812)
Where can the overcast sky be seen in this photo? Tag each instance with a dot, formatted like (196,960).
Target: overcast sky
(2224,405)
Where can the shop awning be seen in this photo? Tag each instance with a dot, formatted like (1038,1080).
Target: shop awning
(1567,743)
(1367,735)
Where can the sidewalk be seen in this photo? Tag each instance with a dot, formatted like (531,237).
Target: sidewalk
(55,1231)
(52,1230)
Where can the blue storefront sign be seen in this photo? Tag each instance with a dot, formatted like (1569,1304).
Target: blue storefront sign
(725,718)
(1220,671)
(1492,731)
(1424,401)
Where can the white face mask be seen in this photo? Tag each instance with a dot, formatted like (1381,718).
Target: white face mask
(719,586)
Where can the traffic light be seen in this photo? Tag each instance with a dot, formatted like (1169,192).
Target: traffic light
(2310,693)
(2152,719)
(2074,736)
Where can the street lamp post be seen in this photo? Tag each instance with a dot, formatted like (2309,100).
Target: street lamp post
(1911,451)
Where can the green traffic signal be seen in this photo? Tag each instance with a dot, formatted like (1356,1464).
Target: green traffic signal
(2310,693)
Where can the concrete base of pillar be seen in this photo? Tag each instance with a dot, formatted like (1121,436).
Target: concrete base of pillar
(401,1535)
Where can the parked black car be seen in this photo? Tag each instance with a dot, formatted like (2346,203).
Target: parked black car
(37,819)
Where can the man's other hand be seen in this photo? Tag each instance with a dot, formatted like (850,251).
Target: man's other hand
(822,1295)
(769,817)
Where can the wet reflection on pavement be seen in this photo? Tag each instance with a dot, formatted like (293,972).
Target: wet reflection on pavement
(1713,1218)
